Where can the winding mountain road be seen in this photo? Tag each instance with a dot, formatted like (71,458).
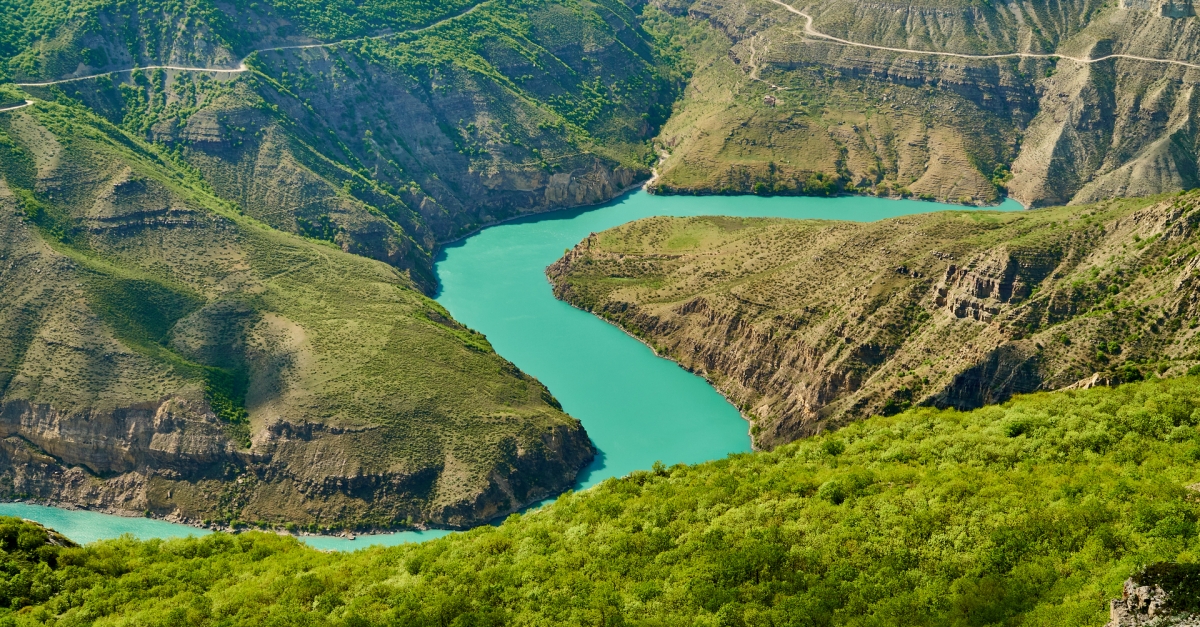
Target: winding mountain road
(809,31)
(241,66)
(812,32)
(15,107)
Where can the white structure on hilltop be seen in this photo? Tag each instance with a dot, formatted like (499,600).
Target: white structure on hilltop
(1174,9)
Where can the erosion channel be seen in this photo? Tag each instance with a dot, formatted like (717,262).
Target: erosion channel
(638,408)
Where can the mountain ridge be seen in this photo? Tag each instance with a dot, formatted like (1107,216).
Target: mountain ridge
(807,325)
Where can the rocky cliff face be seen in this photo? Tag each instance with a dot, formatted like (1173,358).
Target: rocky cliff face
(175,460)
(806,325)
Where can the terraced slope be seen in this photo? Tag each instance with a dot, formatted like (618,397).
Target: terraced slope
(163,352)
(807,325)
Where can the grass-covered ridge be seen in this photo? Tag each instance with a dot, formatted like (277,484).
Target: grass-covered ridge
(152,335)
(505,109)
(1029,513)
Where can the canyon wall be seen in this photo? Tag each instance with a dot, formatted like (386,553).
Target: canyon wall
(783,112)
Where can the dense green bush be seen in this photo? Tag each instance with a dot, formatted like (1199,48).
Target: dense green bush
(1181,582)
(29,553)
(1029,513)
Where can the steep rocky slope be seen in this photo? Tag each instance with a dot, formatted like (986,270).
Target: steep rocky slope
(161,352)
(770,110)
(806,325)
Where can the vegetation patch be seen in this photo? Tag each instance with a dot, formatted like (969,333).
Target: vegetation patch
(926,517)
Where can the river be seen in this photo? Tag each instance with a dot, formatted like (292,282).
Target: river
(638,408)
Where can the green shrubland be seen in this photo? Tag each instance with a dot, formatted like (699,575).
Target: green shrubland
(28,558)
(1028,513)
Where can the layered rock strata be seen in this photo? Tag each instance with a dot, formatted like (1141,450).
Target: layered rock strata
(923,124)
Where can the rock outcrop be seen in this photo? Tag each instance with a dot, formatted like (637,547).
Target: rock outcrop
(1142,605)
(175,460)
(1163,594)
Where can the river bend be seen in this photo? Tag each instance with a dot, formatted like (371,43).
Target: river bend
(638,408)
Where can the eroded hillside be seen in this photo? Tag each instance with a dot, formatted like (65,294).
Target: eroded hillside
(770,109)
(417,129)
(162,353)
(806,325)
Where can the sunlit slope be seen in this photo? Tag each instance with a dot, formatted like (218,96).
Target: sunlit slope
(418,123)
(160,351)
(771,109)
(1030,513)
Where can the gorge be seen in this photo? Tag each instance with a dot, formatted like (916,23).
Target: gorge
(637,408)
(286,272)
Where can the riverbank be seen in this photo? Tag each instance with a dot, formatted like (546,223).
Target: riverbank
(636,185)
(88,525)
(637,407)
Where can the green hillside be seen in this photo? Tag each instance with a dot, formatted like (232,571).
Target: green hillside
(1029,513)
(193,328)
(162,352)
(425,122)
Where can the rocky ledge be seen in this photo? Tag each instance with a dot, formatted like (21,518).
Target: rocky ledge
(177,461)
(1160,595)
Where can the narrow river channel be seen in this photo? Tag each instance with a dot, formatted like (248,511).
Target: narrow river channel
(638,408)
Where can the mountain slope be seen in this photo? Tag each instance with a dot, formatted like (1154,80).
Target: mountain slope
(513,108)
(161,352)
(771,110)
(419,127)
(1031,513)
(806,325)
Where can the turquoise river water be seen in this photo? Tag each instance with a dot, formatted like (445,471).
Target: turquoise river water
(638,408)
